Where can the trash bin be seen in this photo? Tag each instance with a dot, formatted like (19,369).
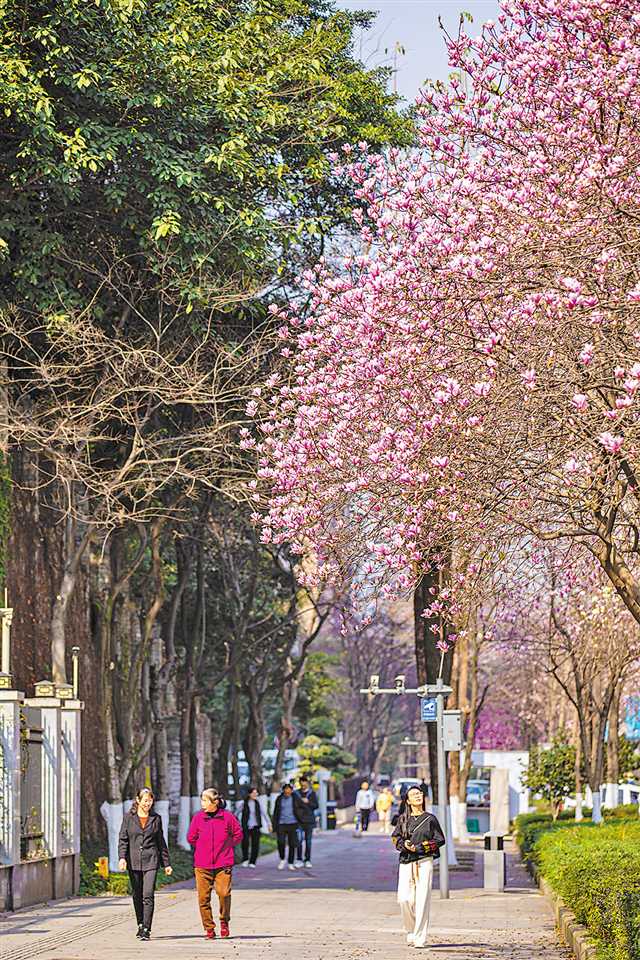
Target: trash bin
(495,862)
(331,814)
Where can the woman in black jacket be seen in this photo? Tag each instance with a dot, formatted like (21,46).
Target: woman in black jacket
(142,850)
(251,820)
(418,837)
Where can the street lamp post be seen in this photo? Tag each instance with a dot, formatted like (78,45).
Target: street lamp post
(438,691)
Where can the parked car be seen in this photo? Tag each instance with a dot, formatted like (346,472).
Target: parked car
(478,793)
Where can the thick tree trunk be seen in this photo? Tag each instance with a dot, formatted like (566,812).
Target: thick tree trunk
(428,657)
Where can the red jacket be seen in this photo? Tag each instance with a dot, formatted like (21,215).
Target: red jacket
(213,836)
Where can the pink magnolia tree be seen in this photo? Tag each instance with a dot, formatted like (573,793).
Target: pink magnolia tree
(474,375)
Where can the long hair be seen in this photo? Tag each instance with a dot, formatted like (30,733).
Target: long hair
(403,813)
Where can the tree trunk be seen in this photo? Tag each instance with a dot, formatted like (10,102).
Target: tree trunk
(290,690)
(184,811)
(428,657)
(613,740)
(235,709)
(579,814)
(254,736)
(73,554)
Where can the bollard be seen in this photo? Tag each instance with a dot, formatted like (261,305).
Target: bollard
(495,862)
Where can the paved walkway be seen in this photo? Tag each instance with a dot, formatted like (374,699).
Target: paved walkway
(342,909)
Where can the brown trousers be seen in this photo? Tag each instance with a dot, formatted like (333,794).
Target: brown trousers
(206,882)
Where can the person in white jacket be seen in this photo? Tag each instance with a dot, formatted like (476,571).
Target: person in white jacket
(365,802)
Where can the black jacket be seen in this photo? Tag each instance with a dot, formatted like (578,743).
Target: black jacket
(275,820)
(306,812)
(244,815)
(424,832)
(142,849)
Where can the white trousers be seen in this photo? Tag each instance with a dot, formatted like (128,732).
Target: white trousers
(414,897)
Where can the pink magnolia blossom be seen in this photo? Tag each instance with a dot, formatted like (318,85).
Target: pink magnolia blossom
(611,443)
(497,246)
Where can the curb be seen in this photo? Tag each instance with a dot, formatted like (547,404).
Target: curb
(574,934)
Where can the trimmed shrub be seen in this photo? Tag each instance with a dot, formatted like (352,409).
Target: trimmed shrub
(597,873)
(595,869)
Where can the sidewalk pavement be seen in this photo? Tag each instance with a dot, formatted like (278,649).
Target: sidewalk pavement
(341,909)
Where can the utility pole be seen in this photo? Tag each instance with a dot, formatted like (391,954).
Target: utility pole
(437,691)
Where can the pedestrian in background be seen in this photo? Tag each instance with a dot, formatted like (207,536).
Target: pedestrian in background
(213,833)
(142,849)
(285,824)
(251,820)
(306,802)
(365,803)
(384,804)
(418,837)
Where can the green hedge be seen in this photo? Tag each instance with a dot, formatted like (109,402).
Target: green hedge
(529,826)
(595,869)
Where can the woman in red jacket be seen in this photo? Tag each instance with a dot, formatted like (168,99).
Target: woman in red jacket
(213,834)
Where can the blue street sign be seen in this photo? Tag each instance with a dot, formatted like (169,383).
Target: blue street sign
(428,710)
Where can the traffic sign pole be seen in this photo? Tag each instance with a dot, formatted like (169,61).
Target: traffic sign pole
(430,691)
(442,793)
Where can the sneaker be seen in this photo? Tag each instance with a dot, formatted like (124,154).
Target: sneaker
(224,928)
(252,866)
(146,934)
(210,934)
(140,929)
(245,863)
(410,939)
(281,865)
(291,866)
(298,864)
(308,864)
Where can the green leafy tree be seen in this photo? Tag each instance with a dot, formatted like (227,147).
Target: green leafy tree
(319,689)
(319,713)
(173,156)
(551,772)
(315,753)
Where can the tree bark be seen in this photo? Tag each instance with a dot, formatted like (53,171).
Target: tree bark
(613,740)
(428,656)
(73,554)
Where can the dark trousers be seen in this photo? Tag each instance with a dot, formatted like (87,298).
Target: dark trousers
(288,834)
(251,841)
(305,832)
(143,885)
(364,819)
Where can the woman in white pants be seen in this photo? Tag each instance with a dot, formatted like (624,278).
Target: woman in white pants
(418,837)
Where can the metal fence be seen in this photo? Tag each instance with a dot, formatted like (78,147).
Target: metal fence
(32,839)
(39,798)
